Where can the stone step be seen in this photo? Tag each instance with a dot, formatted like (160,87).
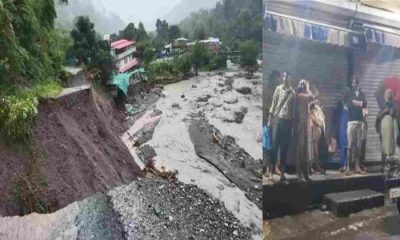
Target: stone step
(344,203)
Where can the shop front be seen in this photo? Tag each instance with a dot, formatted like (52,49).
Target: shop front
(328,45)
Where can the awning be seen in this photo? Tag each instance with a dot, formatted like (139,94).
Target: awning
(121,81)
(316,31)
(382,36)
(306,29)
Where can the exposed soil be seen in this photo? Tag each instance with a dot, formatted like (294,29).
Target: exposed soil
(76,135)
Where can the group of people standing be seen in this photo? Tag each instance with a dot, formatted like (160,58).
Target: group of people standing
(295,115)
(296,120)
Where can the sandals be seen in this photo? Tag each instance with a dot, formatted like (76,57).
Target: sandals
(361,172)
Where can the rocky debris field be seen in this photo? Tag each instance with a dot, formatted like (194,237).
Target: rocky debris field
(150,208)
(154,208)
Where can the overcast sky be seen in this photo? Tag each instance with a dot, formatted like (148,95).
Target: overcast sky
(146,11)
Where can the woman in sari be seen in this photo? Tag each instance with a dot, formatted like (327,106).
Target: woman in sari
(386,126)
(302,129)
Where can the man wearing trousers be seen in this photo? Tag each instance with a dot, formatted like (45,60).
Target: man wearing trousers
(281,118)
(357,102)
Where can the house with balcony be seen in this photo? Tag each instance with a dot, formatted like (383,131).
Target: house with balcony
(123,52)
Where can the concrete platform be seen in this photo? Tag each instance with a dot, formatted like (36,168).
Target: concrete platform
(344,203)
(295,197)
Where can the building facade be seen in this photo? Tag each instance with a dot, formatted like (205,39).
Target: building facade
(123,52)
(328,42)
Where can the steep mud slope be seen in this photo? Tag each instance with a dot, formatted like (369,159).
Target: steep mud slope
(77,152)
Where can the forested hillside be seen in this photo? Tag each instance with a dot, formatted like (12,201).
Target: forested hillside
(234,21)
(105,22)
(30,47)
(186,7)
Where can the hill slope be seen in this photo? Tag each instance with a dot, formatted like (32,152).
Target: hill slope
(186,7)
(77,152)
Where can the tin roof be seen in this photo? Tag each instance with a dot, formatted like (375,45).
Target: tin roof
(121,44)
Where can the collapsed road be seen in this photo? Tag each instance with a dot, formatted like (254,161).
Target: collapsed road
(150,208)
(204,202)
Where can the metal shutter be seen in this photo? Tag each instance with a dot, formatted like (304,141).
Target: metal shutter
(372,68)
(323,63)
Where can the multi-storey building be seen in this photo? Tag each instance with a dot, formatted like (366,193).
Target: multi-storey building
(123,52)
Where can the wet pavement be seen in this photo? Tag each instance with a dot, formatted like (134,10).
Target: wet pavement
(379,223)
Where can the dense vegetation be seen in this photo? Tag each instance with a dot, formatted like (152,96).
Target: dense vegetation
(31,56)
(248,56)
(29,46)
(234,21)
(170,70)
(89,49)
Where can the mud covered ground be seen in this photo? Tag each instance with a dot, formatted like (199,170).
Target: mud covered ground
(374,224)
(228,157)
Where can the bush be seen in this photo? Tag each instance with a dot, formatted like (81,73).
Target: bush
(18,109)
(248,56)
(183,64)
(217,62)
(16,116)
(200,56)
(176,68)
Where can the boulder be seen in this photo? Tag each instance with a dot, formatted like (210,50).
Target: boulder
(146,154)
(231,98)
(215,102)
(203,98)
(244,90)
(176,105)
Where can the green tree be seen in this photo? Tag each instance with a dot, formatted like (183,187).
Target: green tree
(94,53)
(148,56)
(199,33)
(103,61)
(25,46)
(130,32)
(230,20)
(248,56)
(141,33)
(200,56)
(174,32)
(162,29)
(183,64)
(217,61)
(85,43)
